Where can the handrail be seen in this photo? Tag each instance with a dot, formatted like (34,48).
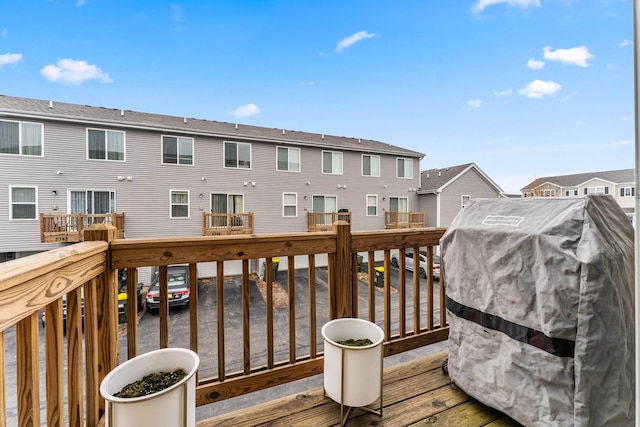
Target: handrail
(395,220)
(411,312)
(216,224)
(70,227)
(324,221)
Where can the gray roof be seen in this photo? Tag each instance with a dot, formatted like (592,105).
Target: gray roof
(615,176)
(58,111)
(432,180)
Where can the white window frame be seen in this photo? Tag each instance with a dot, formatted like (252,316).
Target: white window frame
(289,164)
(398,199)
(407,168)
(334,162)
(572,193)
(368,205)
(464,199)
(106,145)
(181,141)
(288,205)
(237,165)
(21,146)
(601,189)
(90,193)
(171,204)
(12,203)
(548,192)
(372,173)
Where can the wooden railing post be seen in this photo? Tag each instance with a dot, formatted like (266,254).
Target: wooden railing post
(342,304)
(107,299)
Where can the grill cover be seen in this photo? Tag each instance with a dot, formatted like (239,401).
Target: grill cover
(540,303)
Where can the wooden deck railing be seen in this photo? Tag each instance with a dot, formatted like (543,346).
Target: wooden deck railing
(216,224)
(324,221)
(70,227)
(395,220)
(321,280)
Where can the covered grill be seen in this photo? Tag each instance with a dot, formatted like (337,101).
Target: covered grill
(540,296)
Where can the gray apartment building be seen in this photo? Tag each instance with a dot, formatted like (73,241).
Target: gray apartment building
(163,172)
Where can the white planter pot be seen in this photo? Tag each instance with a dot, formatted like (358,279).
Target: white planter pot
(174,406)
(356,370)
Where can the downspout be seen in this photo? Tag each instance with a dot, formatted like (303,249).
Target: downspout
(438,223)
(636,103)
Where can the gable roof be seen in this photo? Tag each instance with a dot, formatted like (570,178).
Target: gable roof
(101,116)
(618,176)
(435,180)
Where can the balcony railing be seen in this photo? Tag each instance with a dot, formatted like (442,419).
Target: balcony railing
(396,220)
(225,224)
(280,348)
(70,227)
(324,221)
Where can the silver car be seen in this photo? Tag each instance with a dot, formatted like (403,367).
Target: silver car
(179,291)
(409,263)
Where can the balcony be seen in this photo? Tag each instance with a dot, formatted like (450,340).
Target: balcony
(397,220)
(70,227)
(239,354)
(323,221)
(226,224)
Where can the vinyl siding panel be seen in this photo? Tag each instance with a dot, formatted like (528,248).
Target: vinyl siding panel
(145,199)
(470,183)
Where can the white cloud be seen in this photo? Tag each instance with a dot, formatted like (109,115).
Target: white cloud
(619,143)
(611,66)
(535,65)
(505,92)
(480,5)
(247,110)
(80,3)
(310,83)
(70,71)
(540,88)
(625,43)
(348,41)
(178,12)
(474,103)
(4,32)
(10,58)
(575,55)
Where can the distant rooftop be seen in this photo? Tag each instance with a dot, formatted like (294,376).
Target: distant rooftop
(59,111)
(619,176)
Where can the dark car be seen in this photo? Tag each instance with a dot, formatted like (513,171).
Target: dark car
(178,279)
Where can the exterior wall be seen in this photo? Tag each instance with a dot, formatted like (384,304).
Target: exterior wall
(470,183)
(145,199)
(429,205)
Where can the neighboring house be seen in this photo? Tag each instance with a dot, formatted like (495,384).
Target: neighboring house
(618,183)
(443,192)
(163,172)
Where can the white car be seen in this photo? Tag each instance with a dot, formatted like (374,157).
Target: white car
(409,263)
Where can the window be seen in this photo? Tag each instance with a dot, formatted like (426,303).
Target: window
(105,144)
(325,203)
(372,205)
(177,150)
(465,200)
(548,193)
(289,204)
(627,192)
(237,155)
(21,138)
(570,193)
(92,202)
(179,204)
(23,202)
(398,204)
(404,168)
(288,159)
(596,190)
(332,162)
(370,165)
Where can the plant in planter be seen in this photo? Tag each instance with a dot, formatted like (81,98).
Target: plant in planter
(169,404)
(353,364)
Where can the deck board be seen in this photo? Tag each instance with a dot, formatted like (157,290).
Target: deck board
(415,393)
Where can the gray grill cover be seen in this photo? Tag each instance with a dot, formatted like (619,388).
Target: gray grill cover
(540,296)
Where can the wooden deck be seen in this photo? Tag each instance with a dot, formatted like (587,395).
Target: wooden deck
(415,393)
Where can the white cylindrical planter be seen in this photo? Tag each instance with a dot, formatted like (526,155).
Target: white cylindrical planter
(174,406)
(356,370)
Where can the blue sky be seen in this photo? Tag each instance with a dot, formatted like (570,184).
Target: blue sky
(523,88)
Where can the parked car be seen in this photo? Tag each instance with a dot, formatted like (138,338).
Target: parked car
(178,280)
(64,310)
(409,263)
